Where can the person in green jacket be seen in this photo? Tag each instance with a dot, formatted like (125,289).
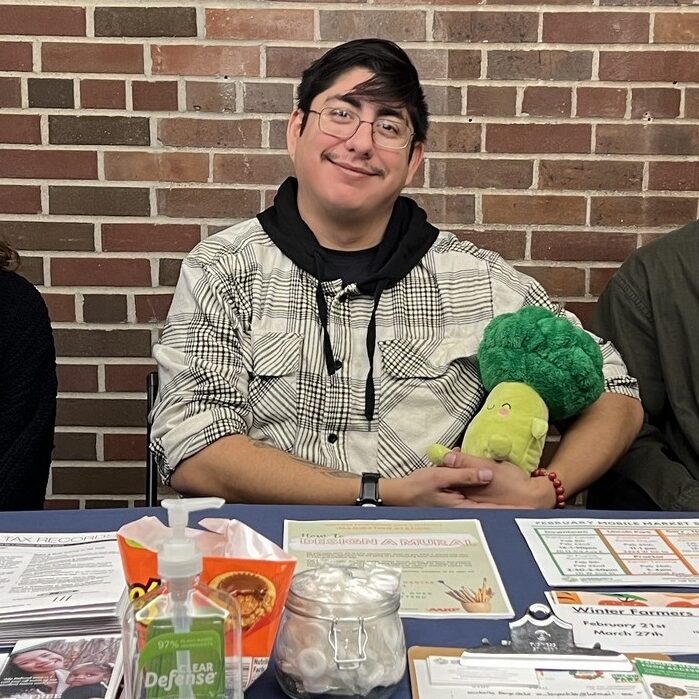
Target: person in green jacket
(650,312)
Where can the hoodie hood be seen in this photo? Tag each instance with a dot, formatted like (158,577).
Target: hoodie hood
(407,239)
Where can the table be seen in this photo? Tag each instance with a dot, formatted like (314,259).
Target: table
(520,575)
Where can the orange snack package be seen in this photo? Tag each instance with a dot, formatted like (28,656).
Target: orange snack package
(236,559)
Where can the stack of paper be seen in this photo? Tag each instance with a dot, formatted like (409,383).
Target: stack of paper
(71,667)
(59,585)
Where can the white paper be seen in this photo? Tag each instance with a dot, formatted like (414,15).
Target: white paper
(637,625)
(445,669)
(596,552)
(553,684)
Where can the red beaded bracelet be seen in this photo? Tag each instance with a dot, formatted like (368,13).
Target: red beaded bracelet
(557,485)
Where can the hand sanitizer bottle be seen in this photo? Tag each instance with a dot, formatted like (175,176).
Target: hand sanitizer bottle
(182,640)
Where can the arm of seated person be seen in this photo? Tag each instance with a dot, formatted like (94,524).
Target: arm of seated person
(241,469)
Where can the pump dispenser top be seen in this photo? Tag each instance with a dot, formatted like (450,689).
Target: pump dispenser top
(179,556)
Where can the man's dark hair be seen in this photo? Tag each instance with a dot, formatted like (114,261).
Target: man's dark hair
(395,80)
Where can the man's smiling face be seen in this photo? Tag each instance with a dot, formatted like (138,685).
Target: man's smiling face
(349,176)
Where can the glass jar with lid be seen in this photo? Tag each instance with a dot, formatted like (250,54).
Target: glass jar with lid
(340,635)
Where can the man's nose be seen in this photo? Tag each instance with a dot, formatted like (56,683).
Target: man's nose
(363,139)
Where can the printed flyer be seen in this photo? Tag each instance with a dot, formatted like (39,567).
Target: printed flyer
(615,552)
(447,569)
(667,680)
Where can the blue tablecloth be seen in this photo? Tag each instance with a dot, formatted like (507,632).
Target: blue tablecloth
(520,574)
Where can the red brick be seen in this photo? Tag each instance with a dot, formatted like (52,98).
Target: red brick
(431,64)
(259,168)
(500,27)
(149,237)
(443,99)
(15,199)
(510,244)
(104,271)
(99,130)
(46,164)
(583,310)
(558,281)
(91,58)
(61,307)
(655,102)
(15,55)
(208,203)
(642,211)
(152,308)
(397,25)
(590,174)
(42,20)
(664,139)
(101,343)
(480,173)
(20,128)
(61,504)
(447,208)
(649,66)
(277,133)
(75,446)
(163,167)
(124,447)
(531,209)
(266,25)
(169,270)
(599,278)
(290,61)
(108,503)
(145,21)
(103,94)
(596,27)
(10,92)
(88,480)
(127,377)
(99,201)
(77,378)
(491,101)
(537,138)
(268,97)
(210,133)
(674,175)
(691,103)
(546,101)
(539,65)
(155,96)
(580,246)
(601,101)
(676,28)
(205,60)
(211,96)
(454,137)
(48,235)
(32,269)
(104,308)
(53,93)
(463,64)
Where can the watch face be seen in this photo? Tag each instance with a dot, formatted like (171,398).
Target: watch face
(369,490)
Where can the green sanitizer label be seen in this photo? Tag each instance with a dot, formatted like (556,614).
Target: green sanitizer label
(183,665)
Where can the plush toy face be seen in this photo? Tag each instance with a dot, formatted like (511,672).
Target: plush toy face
(511,426)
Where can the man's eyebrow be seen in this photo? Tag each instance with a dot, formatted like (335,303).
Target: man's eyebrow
(354,101)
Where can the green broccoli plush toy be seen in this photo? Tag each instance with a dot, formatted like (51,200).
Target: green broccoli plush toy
(535,366)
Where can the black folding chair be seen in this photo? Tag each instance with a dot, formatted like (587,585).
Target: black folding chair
(151,466)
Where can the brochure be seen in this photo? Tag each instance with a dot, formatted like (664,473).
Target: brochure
(447,569)
(666,680)
(615,552)
(75,667)
(631,622)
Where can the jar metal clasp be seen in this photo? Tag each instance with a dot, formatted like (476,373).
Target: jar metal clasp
(350,651)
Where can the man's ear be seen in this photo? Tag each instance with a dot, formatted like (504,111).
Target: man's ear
(293,131)
(416,159)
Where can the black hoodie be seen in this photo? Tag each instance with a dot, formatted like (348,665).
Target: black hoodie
(407,238)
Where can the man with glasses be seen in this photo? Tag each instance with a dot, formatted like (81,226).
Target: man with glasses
(329,341)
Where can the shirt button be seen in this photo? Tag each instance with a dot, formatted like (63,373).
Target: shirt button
(332,438)
(338,365)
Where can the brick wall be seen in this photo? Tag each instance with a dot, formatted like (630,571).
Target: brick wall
(563,135)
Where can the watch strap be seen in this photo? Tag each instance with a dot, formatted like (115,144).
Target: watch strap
(369,490)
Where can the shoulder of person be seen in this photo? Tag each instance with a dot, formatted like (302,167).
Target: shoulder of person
(230,242)
(18,292)
(448,245)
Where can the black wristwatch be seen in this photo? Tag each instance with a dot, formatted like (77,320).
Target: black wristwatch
(369,490)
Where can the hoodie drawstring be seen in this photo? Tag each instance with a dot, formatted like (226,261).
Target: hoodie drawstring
(323,315)
(369,389)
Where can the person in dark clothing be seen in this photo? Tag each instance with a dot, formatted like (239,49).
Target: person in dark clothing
(650,311)
(28,389)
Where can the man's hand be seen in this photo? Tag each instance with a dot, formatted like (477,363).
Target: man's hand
(435,487)
(509,486)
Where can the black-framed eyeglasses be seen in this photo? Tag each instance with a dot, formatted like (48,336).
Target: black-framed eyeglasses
(387,132)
